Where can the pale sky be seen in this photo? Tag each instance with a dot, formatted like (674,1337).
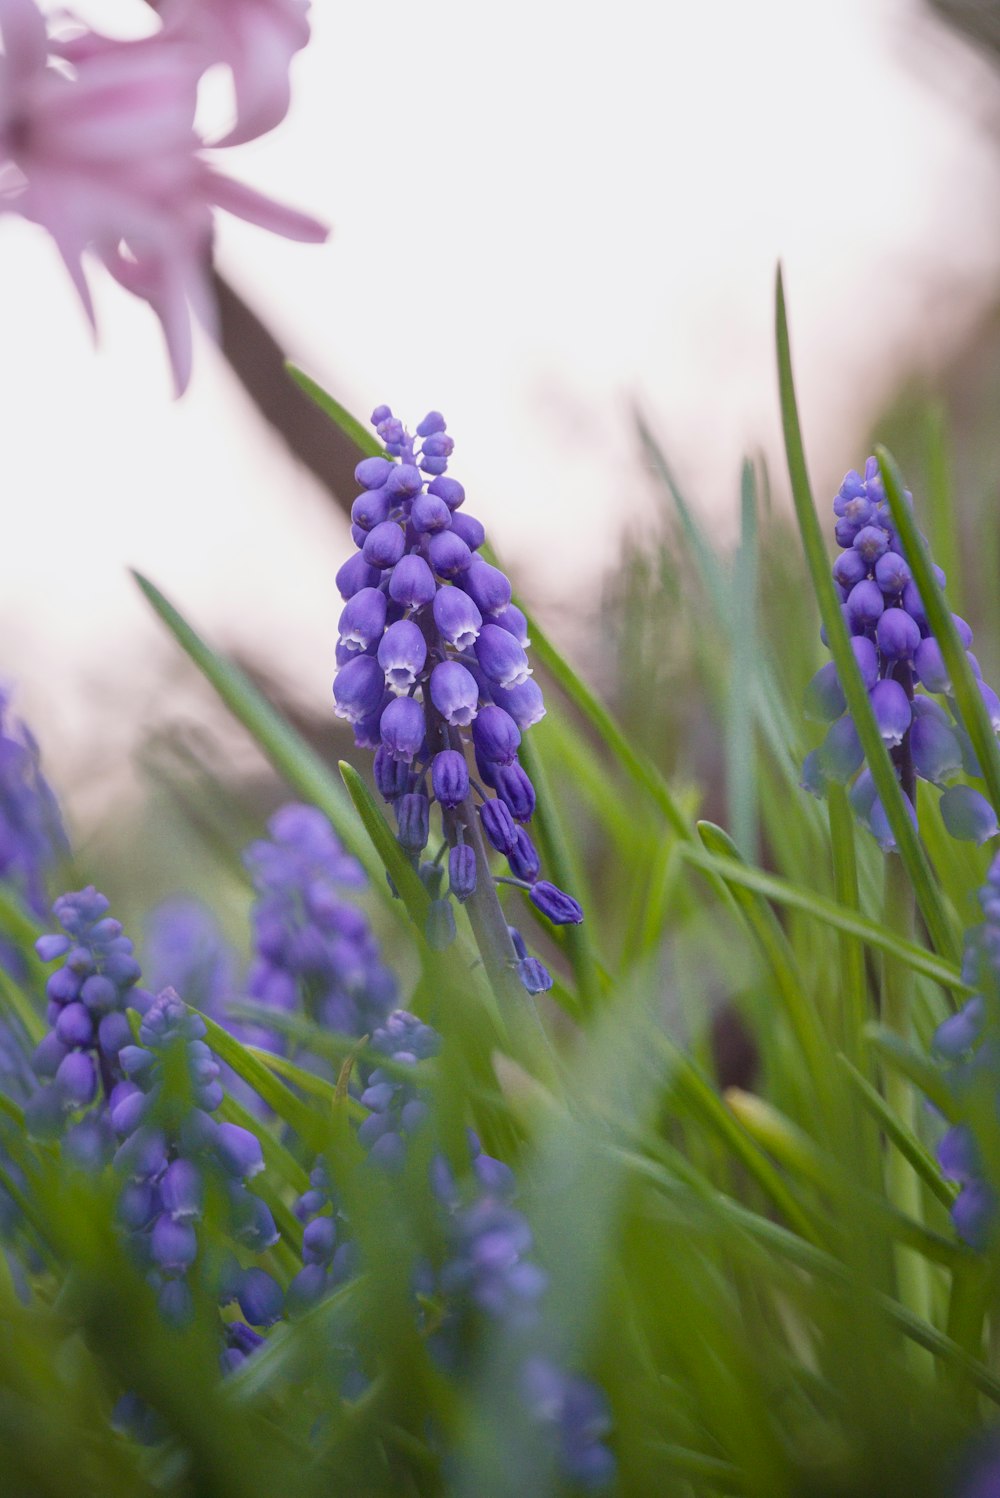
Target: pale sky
(540,214)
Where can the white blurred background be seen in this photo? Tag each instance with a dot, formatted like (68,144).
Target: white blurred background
(542,214)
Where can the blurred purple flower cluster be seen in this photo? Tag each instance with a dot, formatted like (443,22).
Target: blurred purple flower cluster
(98,145)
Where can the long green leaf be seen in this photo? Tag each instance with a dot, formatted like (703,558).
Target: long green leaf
(412,893)
(877,755)
(967,694)
(363,438)
(265,1084)
(291,755)
(905,1141)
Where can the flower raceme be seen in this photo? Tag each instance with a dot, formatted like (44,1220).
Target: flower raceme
(431,662)
(895,653)
(98,146)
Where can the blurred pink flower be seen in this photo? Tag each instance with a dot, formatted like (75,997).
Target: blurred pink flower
(97,145)
(256,40)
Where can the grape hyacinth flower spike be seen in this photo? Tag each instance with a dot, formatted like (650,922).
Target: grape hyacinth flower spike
(432,663)
(902,668)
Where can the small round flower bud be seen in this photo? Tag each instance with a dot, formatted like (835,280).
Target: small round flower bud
(404,481)
(862,797)
(412,582)
(499,826)
(76,1079)
(432,423)
(369,510)
(878,823)
(412,820)
(891,573)
(824,699)
(852,487)
(450,778)
(515,790)
(383,545)
(261,1298)
(524,861)
(561,909)
(959,1032)
(181,1190)
(892,710)
(371,473)
(448,554)
(496,735)
(864,605)
(524,703)
(239,1151)
(867,658)
(811,777)
(358,534)
(402,654)
(440,930)
(448,489)
(992,705)
(469,529)
(500,657)
(174,1245)
(534,975)
(359,688)
(402,728)
(455,693)
(362,619)
(487,586)
(871,542)
(929,665)
(74,1026)
(841,754)
(429,513)
(457,618)
(964,632)
(897,634)
(937,754)
(462,871)
(354,575)
(968,815)
(845,531)
(849,568)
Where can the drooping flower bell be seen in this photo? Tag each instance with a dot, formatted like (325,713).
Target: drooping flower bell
(897,657)
(432,662)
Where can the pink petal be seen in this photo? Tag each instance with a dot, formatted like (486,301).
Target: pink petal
(246,203)
(24,37)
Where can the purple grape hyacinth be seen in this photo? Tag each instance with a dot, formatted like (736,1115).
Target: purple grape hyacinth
(896,655)
(314,950)
(968,1042)
(432,657)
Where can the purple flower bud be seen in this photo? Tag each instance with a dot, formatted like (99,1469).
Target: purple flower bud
(486,586)
(499,826)
(867,658)
(845,531)
(561,909)
(76,1079)
(524,861)
(852,488)
(174,1245)
(462,871)
(515,790)
(182,1190)
(402,653)
(849,568)
(455,693)
(52,946)
(354,575)
(113,1032)
(74,1026)
(974,1216)
(448,554)
(811,777)
(362,619)
(358,689)
(952,1038)
(412,820)
(239,1151)
(992,705)
(383,545)
(98,993)
(412,582)
(524,703)
(371,473)
(440,929)
(404,481)
(402,728)
(891,573)
(501,658)
(369,510)
(457,618)
(367,732)
(841,754)
(862,797)
(871,542)
(913,604)
(937,754)
(495,734)
(964,632)
(514,622)
(897,634)
(534,975)
(432,423)
(892,710)
(864,605)
(261,1298)
(968,816)
(358,534)
(429,513)
(824,699)
(878,823)
(319,1240)
(469,529)
(450,490)
(450,778)
(929,665)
